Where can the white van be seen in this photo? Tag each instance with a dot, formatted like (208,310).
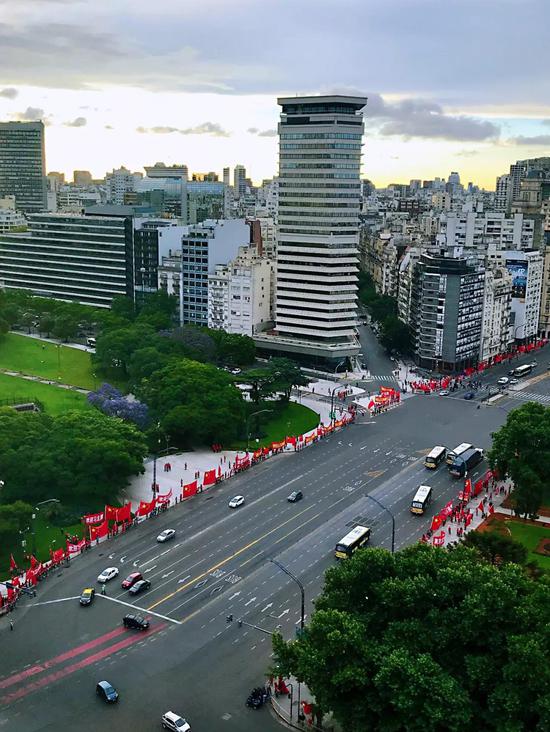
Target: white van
(90,342)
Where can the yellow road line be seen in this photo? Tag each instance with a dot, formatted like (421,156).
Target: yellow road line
(228,559)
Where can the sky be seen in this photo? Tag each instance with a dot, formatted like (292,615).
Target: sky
(451,84)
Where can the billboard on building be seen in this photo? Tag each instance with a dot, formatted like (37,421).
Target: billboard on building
(518,270)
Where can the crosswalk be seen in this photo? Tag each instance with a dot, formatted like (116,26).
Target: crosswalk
(382,377)
(529,396)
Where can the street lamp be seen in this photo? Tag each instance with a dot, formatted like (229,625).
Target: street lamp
(247,421)
(33,517)
(372,498)
(303,604)
(339,364)
(332,393)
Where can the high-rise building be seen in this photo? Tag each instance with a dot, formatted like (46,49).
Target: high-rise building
(239,180)
(318,228)
(119,182)
(446,312)
(23,164)
(227,176)
(160,170)
(82,178)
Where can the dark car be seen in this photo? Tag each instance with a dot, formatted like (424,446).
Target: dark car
(131,580)
(140,586)
(106,691)
(469,395)
(295,496)
(135,621)
(87,596)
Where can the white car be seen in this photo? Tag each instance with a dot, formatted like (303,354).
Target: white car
(108,574)
(236,502)
(166,535)
(503,380)
(173,721)
(444,392)
(514,381)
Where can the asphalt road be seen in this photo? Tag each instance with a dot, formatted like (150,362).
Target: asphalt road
(191,660)
(377,360)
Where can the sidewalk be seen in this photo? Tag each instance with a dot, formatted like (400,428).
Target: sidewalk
(41,380)
(289,709)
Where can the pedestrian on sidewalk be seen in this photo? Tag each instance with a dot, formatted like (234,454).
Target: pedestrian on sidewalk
(11,624)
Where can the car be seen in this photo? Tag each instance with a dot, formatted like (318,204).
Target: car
(137,622)
(511,372)
(131,580)
(106,691)
(469,395)
(295,496)
(444,392)
(514,381)
(108,574)
(365,322)
(166,535)
(173,721)
(87,596)
(503,380)
(534,364)
(236,371)
(140,586)
(236,502)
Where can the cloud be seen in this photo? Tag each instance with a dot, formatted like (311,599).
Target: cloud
(253,130)
(8,93)
(267,133)
(535,140)
(109,127)
(206,128)
(31,114)
(468,153)
(77,122)
(425,118)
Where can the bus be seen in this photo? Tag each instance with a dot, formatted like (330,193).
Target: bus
(352,541)
(465,462)
(523,370)
(459,449)
(435,457)
(421,499)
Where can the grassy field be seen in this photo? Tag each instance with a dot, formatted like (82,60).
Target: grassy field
(295,419)
(529,535)
(47,536)
(49,360)
(55,400)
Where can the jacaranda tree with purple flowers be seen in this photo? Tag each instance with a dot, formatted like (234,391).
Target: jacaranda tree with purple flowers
(109,400)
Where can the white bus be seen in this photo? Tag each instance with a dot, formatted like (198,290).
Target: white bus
(459,449)
(435,457)
(523,370)
(352,541)
(421,499)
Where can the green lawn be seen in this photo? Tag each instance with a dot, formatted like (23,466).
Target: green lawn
(55,400)
(295,419)
(529,535)
(47,536)
(41,358)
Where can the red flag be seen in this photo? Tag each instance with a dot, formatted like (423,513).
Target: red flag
(189,489)
(165,498)
(34,562)
(491,509)
(448,509)
(219,471)
(124,513)
(110,513)
(210,477)
(13,565)
(146,508)
(481,506)
(467,487)
(436,523)
(469,517)
(96,532)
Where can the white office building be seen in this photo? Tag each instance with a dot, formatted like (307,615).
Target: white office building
(318,228)
(119,182)
(496,331)
(526,268)
(468,232)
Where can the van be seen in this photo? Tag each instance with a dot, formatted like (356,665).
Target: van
(90,342)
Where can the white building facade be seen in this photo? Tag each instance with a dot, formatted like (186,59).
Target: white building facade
(496,333)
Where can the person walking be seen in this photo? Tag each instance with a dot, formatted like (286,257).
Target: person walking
(11,624)
(103,592)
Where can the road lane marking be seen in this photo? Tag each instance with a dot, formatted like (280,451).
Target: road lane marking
(252,599)
(51,602)
(143,610)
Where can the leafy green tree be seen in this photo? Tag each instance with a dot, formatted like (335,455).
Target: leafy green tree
(261,382)
(46,324)
(286,374)
(195,403)
(65,327)
(144,362)
(395,335)
(115,348)
(14,517)
(195,343)
(160,302)
(4,327)
(496,548)
(521,450)
(10,312)
(233,349)
(123,307)
(26,320)
(426,640)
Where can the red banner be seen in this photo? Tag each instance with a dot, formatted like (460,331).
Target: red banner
(257,454)
(75,548)
(13,565)
(290,441)
(438,540)
(448,509)
(242,462)
(57,555)
(209,477)
(94,518)
(96,532)
(189,489)
(146,508)
(110,513)
(124,513)
(165,498)
(32,576)
(277,445)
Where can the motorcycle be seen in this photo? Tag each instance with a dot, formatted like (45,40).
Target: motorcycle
(257,698)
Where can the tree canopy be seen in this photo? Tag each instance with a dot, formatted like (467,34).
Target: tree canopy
(521,450)
(426,640)
(194,402)
(81,458)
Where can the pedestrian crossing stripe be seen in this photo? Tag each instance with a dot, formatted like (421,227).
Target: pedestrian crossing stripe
(383,378)
(529,396)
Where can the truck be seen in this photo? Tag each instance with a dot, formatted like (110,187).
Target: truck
(465,462)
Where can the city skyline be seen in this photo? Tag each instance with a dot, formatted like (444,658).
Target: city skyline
(128,84)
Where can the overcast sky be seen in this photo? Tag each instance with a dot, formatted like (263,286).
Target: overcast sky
(452,84)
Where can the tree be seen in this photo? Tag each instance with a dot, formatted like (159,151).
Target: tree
(395,335)
(46,324)
(426,640)
(195,403)
(65,327)
(110,401)
(4,327)
(144,362)
(195,343)
(14,517)
(10,312)
(114,349)
(286,374)
(496,548)
(521,450)
(232,348)
(261,382)
(123,307)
